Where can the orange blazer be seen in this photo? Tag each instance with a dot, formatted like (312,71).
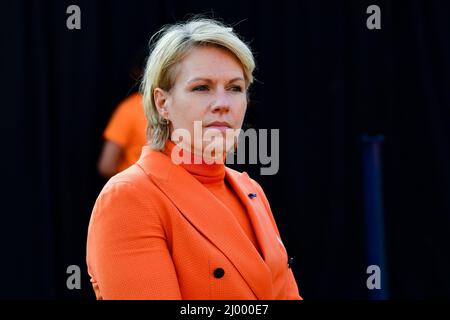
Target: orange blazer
(157,233)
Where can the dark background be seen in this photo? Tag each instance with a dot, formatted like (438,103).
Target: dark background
(323,80)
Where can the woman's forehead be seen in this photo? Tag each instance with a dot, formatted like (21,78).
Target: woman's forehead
(210,63)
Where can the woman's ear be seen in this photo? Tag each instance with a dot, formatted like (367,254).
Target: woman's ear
(161,99)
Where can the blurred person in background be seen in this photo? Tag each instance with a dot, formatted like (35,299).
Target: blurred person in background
(124,135)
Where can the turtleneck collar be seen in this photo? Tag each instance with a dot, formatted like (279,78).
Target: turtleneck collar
(205,173)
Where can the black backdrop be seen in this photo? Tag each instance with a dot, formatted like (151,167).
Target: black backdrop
(324,79)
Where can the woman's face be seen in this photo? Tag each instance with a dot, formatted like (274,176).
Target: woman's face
(209,87)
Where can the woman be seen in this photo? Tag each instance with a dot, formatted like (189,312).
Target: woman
(162,229)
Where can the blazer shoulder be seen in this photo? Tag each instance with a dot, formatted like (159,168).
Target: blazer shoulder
(130,192)
(133,175)
(132,180)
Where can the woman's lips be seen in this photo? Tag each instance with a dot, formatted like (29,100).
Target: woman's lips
(222,126)
(217,127)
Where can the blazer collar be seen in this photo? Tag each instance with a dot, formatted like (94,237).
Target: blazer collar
(214,220)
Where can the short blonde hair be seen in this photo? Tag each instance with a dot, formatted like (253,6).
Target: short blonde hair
(168,47)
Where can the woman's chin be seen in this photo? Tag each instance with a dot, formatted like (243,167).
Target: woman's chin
(215,150)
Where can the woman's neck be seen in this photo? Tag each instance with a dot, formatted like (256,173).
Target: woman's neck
(206,170)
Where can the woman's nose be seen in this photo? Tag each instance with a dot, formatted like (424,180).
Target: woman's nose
(221,102)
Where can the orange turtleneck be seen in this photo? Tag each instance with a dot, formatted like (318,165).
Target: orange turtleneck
(212,177)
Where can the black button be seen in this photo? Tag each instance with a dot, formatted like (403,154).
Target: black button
(219,272)
(290,262)
(252,195)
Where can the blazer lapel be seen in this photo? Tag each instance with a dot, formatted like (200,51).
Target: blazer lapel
(213,220)
(267,237)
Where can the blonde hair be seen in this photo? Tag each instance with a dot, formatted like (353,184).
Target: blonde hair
(168,47)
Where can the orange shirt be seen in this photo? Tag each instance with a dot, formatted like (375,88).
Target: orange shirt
(127,128)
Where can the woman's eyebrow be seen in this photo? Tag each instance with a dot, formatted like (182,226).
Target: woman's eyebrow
(236,79)
(210,81)
(198,79)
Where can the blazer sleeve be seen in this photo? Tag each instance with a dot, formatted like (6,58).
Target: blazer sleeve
(292,288)
(127,253)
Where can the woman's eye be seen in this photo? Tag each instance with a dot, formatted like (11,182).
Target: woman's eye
(236,88)
(200,88)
